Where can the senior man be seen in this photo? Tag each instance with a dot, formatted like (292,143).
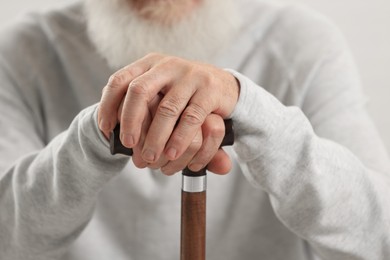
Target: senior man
(309,177)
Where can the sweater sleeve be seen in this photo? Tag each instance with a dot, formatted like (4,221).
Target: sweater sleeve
(319,188)
(322,163)
(47,192)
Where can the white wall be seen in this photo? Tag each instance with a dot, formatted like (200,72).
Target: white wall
(366,24)
(10,9)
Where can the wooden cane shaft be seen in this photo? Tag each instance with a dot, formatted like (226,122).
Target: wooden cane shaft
(193,226)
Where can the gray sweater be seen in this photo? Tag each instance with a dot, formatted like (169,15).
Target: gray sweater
(310,177)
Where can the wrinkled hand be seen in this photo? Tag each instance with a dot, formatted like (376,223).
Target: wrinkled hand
(170,111)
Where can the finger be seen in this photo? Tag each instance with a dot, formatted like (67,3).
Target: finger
(190,121)
(177,165)
(137,158)
(221,163)
(140,93)
(115,90)
(137,149)
(120,111)
(161,162)
(164,121)
(213,130)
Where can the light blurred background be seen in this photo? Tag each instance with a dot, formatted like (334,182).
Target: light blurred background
(366,25)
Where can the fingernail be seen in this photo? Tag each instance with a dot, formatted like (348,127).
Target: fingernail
(148,155)
(171,153)
(127,140)
(196,167)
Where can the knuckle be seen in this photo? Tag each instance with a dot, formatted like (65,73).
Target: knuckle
(172,62)
(194,115)
(122,76)
(115,80)
(169,107)
(153,55)
(104,89)
(131,72)
(203,76)
(138,87)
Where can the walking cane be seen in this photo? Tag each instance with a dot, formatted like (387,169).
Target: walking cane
(193,200)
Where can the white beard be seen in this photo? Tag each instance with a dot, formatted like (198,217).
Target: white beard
(121,36)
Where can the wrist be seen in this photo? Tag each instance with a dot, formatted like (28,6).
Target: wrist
(232,94)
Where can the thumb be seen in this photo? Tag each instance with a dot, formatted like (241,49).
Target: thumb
(220,163)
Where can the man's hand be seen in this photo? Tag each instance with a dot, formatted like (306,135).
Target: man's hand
(187,118)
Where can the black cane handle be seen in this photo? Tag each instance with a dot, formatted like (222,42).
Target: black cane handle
(116,147)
